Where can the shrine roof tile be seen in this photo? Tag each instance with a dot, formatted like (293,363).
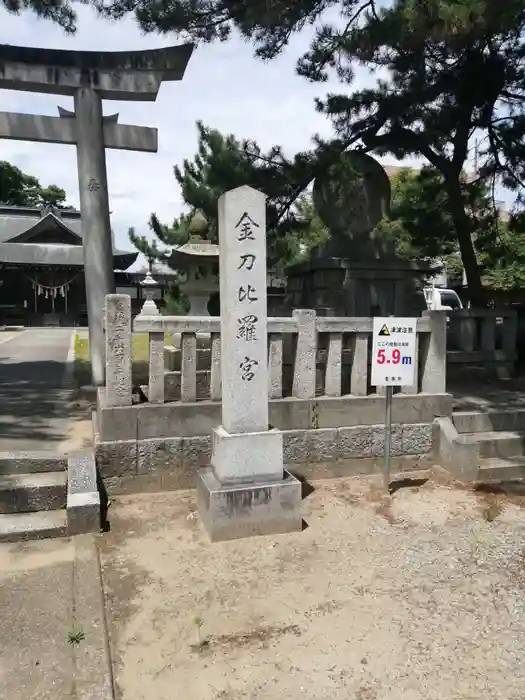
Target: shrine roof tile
(55,254)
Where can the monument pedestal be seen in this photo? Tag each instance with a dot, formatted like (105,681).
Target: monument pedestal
(336,286)
(243,509)
(240,457)
(246,491)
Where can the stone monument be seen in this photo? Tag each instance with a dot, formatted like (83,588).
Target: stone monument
(89,77)
(357,272)
(246,491)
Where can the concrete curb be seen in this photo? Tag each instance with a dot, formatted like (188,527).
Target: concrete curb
(458,456)
(83,500)
(93,677)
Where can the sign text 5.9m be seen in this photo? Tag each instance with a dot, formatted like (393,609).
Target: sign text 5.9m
(394,351)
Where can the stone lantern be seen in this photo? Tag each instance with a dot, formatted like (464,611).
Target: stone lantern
(149,308)
(198,261)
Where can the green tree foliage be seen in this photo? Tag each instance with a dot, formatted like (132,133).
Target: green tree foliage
(223,163)
(422,228)
(419,221)
(502,254)
(446,70)
(175,302)
(52,196)
(19,189)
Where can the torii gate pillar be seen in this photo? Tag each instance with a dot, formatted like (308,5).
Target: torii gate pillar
(89,77)
(96,226)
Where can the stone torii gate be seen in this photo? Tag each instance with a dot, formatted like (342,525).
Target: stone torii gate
(89,77)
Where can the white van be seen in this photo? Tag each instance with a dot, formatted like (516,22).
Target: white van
(440,299)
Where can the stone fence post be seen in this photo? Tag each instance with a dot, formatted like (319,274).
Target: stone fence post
(305,354)
(510,336)
(434,354)
(118,350)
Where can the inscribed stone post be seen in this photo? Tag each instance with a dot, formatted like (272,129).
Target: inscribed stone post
(246,490)
(118,350)
(242,242)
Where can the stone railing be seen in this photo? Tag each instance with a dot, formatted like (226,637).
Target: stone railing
(308,356)
(485,337)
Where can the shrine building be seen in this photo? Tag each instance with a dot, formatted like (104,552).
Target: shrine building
(42,268)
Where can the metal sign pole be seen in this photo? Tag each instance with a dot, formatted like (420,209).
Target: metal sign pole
(388,435)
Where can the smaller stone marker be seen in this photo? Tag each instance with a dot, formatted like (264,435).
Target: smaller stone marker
(246,491)
(118,350)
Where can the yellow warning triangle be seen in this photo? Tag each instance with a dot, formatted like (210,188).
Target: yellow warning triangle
(384,330)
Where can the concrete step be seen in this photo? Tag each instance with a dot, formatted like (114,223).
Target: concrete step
(21,493)
(489,421)
(30,463)
(497,444)
(497,469)
(33,526)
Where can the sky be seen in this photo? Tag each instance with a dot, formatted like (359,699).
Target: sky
(224,86)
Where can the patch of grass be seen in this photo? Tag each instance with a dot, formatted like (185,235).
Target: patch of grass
(201,641)
(492,509)
(82,370)
(139,354)
(75,635)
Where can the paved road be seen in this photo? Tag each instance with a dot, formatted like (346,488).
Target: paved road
(33,399)
(44,587)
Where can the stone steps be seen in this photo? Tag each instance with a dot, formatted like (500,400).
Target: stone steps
(484,446)
(52,497)
(17,527)
(30,463)
(23,493)
(502,444)
(497,469)
(489,421)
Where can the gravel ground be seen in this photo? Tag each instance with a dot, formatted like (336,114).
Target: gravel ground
(416,597)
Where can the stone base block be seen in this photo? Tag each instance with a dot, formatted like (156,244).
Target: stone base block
(172,384)
(83,499)
(233,511)
(247,456)
(173,358)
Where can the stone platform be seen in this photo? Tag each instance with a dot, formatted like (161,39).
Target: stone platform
(246,509)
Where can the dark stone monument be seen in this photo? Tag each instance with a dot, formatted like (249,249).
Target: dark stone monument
(357,272)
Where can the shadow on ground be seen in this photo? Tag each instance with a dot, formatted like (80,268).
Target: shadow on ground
(33,405)
(488,394)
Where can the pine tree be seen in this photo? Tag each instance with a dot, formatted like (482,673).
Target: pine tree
(223,163)
(446,71)
(59,12)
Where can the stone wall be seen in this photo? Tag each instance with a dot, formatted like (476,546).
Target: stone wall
(161,447)
(332,421)
(171,463)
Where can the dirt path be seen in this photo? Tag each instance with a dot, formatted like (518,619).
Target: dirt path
(420,600)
